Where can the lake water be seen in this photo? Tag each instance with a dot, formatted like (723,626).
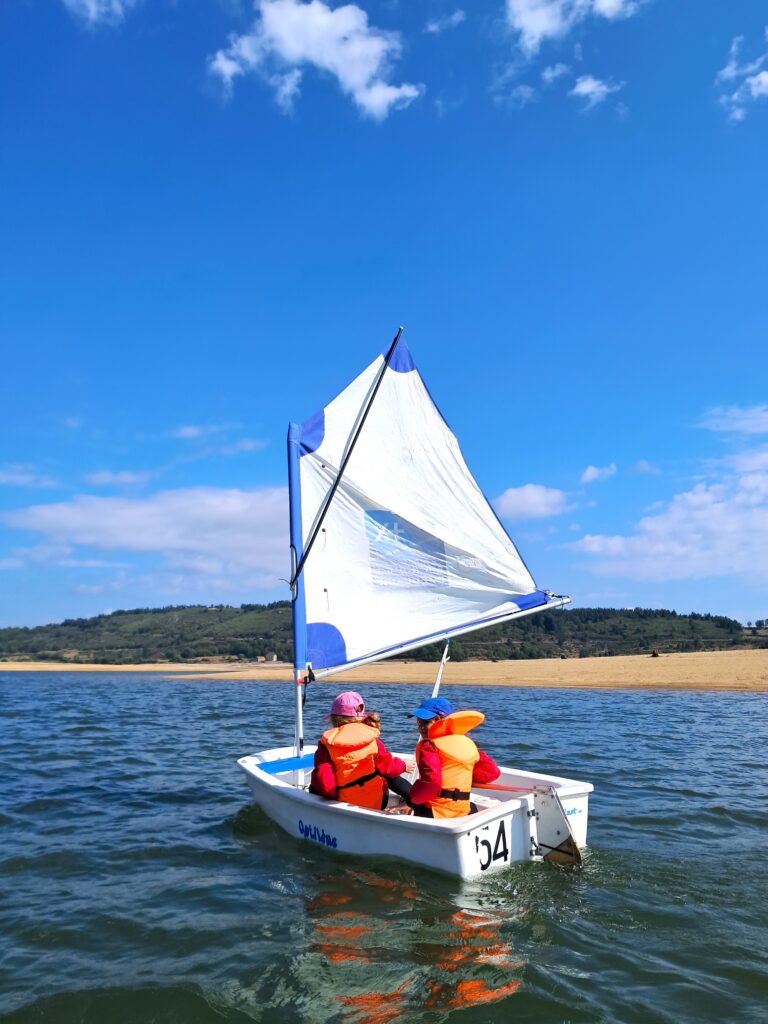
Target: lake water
(138,886)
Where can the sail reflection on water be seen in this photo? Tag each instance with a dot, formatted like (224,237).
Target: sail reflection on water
(389,951)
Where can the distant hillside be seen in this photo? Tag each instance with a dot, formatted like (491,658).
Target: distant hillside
(189,632)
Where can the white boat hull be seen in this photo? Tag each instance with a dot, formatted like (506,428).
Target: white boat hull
(513,826)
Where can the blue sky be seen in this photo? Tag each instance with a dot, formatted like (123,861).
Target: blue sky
(215,214)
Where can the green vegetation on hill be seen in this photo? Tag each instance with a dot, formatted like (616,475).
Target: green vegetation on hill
(189,632)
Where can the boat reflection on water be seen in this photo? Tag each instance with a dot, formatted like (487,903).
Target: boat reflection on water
(394,949)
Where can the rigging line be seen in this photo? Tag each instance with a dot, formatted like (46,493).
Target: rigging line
(345,460)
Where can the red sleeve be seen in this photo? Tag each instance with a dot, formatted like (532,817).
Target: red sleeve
(485,770)
(430,781)
(323,781)
(387,764)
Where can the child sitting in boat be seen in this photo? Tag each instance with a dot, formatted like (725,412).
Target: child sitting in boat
(449,762)
(351,762)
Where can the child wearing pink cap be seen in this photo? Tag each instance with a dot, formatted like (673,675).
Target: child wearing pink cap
(351,762)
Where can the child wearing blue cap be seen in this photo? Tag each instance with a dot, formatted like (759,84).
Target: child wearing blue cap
(449,762)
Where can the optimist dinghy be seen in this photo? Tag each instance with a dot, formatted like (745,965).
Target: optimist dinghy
(393,546)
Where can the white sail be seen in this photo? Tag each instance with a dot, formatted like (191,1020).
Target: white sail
(410,550)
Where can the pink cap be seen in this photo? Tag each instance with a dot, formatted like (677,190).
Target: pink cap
(348,704)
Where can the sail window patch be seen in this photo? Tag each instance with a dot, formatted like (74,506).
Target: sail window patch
(402,554)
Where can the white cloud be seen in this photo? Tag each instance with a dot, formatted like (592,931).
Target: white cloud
(752,81)
(734,419)
(553,72)
(23,475)
(438,25)
(536,21)
(52,555)
(290,34)
(119,478)
(73,422)
(593,91)
(197,532)
(521,96)
(750,461)
(593,473)
(58,554)
(644,466)
(714,530)
(99,12)
(287,88)
(192,432)
(245,444)
(502,90)
(531,501)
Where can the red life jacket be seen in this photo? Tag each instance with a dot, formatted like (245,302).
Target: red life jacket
(458,757)
(353,750)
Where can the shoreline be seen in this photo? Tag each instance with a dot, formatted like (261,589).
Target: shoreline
(743,671)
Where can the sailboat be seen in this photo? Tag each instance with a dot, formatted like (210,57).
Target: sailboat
(394,546)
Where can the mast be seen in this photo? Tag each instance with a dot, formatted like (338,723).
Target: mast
(298,612)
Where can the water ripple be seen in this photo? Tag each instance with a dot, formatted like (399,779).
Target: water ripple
(139,884)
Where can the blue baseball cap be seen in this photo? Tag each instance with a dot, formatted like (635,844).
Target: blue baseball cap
(432,707)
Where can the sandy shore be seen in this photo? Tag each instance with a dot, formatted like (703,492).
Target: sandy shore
(745,671)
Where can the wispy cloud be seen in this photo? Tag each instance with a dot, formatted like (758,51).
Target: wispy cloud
(713,530)
(503,90)
(593,91)
(196,532)
(23,475)
(752,460)
(536,21)
(741,84)
(61,555)
(289,35)
(438,25)
(644,466)
(118,478)
(594,473)
(553,72)
(192,432)
(73,422)
(520,96)
(244,445)
(99,12)
(734,419)
(531,501)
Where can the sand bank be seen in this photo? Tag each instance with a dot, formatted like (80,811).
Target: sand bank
(714,670)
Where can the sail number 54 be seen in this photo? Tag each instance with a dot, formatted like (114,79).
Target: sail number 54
(489,853)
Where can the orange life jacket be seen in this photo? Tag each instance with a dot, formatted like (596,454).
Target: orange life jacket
(458,756)
(353,749)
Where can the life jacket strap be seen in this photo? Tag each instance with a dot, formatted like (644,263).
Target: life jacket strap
(454,794)
(359,782)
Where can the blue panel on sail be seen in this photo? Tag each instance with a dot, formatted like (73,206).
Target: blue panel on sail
(525,601)
(401,554)
(402,360)
(312,433)
(325,645)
